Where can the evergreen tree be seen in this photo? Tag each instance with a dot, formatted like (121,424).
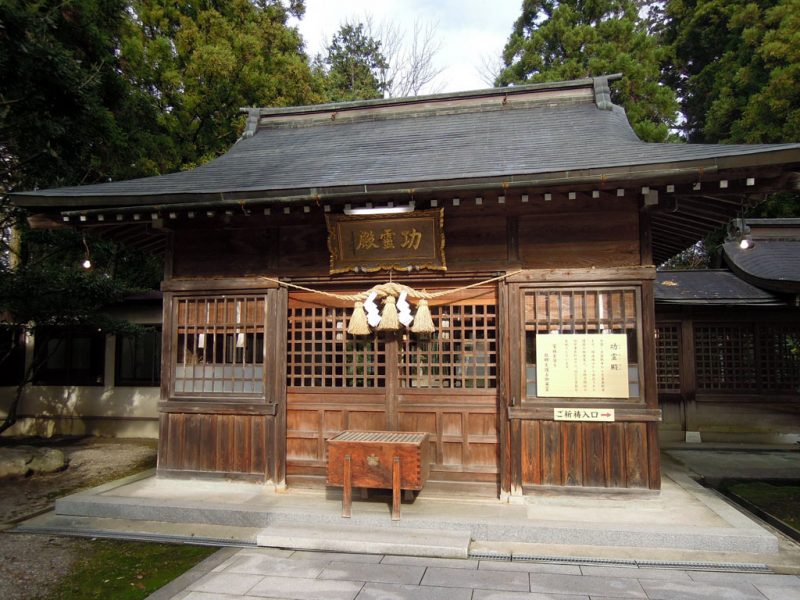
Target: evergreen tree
(736,67)
(66,116)
(557,40)
(354,67)
(200,62)
(92,90)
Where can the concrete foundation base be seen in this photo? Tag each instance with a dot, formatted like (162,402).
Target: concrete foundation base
(684,517)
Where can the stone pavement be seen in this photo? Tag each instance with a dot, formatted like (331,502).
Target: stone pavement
(233,574)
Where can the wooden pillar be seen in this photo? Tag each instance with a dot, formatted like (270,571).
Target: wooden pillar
(650,383)
(277,320)
(688,379)
(503,384)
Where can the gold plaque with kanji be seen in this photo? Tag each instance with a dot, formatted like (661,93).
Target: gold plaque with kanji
(402,242)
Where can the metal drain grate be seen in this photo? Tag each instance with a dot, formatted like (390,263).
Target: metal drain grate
(487,555)
(706,566)
(656,564)
(571,559)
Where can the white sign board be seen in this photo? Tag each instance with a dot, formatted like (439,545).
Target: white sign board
(582,365)
(583,414)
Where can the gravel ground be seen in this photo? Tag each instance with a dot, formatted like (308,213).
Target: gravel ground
(32,565)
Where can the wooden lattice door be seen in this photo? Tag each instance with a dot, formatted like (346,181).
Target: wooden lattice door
(445,384)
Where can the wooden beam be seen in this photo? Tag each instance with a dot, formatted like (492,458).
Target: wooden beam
(583,275)
(216,285)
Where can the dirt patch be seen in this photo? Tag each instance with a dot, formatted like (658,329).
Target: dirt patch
(32,565)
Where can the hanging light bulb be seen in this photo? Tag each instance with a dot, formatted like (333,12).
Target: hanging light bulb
(87,262)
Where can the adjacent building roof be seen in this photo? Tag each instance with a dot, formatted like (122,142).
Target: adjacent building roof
(773,260)
(709,286)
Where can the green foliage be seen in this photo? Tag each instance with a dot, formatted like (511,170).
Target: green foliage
(127,570)
(199,63)
(571,39)
(736,67)
(779,499)
(50,288)
(354,67)
(94,90)
(65,114)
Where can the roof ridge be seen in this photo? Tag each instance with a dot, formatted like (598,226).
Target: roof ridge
(598,84)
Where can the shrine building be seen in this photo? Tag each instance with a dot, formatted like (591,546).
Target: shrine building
(478,266)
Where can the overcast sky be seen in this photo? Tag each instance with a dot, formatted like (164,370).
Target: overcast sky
(468,29)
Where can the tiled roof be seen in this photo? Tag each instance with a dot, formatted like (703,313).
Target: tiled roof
(502,134)
(769,264)
(708,286)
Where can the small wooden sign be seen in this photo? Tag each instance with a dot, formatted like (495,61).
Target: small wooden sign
(583,414)
(401,242)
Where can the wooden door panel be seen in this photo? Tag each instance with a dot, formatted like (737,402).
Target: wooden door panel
(464,434)
(328,394)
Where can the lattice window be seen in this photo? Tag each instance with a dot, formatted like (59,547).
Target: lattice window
(461,354)
(321,354)
(668,364)
(581,311)
(220,345)
(779,357)
(725,357)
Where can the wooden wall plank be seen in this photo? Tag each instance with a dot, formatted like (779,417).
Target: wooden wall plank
(614,434)
(595,472)
(163,442)
(653,457)
(614,455)
(221,426)
(531,453)
(206,442)
(191,445)
(572,454)
(258,445)
(176,434)
(550,455)
(636,455)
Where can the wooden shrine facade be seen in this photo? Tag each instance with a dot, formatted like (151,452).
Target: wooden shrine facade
(563,229)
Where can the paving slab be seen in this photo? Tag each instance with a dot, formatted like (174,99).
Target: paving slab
(452,563)
(754,578)
(616,587)
(332,556)
(779,592)
(226,583)
(495,595)
(385,591)
(402,574)
(491,580)
(680,590)
(529,567)
(414,542)
(636,573)
(281,567)
(305,589)
(209,596)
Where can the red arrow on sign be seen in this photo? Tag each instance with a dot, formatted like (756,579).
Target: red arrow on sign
(605,414)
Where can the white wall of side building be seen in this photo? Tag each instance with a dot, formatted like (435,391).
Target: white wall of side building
(101,410)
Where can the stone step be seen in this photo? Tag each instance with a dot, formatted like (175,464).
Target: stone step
(368,540)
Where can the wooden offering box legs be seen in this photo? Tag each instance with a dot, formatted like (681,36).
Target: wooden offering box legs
(378,459)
